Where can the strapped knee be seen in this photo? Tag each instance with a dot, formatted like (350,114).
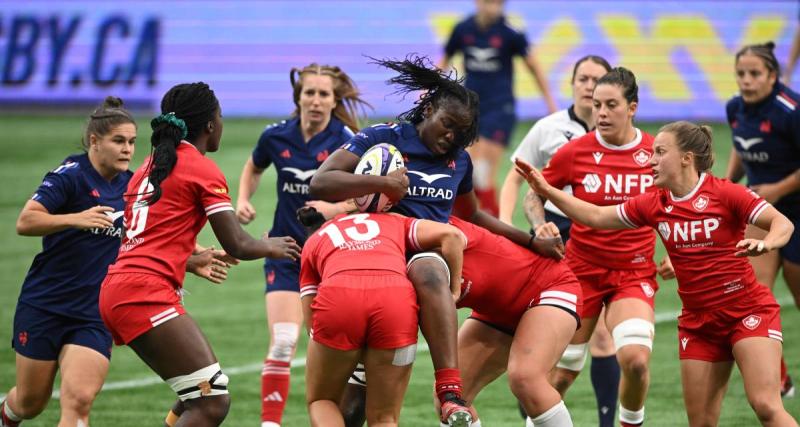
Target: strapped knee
(358,377)
(430,255)
(209,381)
(284,341)
(634,331)
(574,357)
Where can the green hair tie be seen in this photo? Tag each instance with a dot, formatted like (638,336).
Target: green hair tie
(170,119)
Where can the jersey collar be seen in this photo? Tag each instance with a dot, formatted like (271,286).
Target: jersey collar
(574,117)
(636,140)
(691,193)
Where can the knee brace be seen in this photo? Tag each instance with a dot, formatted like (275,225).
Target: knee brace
(430,255)
(574,357)
(284,340)
(209,381)
(634,331)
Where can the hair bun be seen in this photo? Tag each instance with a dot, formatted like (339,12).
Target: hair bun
(770,45)
(112,102)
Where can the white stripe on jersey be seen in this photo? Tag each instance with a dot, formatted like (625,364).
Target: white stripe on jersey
(785,102)
(623,216)
(218,207)
(757,211)
(308,290)
(412,235)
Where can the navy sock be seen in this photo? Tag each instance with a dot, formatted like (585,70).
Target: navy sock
(605,380)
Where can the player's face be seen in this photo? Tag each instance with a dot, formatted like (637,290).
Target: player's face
(612,112)
(440,129)
(317,99)
(215,130)
(586,77)
(755,80)
(667,160)
(490,10)
(114,150)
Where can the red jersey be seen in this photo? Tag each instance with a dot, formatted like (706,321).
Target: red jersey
(159,238)
(357,242)
(605,174)
(700,232)
(497,272)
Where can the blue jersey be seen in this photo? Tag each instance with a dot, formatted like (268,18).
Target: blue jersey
(488,56)
(767,137)
(65,277)
(434,182)
(282,144)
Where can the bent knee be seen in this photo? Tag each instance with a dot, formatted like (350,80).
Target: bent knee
(78,401)
(522,381)
(635,363)
(766,409)
(28,406)
(214,408)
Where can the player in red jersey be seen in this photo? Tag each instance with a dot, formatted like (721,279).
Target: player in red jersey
(727,315)
(525,309)
(360,305)
(169,198)
(608,166)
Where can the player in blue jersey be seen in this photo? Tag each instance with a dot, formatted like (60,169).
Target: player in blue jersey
(432,137)
(325,117)
(765,123)
(489,45)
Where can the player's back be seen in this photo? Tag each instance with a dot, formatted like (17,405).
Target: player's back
(496,270)
(358,242)
(159,238)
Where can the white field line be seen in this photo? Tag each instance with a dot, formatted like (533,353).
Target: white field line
(661,317)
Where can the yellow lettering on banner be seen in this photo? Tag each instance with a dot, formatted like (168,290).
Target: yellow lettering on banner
(560,37)
(650,56)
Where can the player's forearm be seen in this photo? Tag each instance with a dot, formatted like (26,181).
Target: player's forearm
(780,231)
(534,209)
(496,226)
(508,196)
(37,223)
(248,182)
(452,248)
(599,217)
(335,185)
(735,171)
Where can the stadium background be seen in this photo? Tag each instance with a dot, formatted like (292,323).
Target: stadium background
(58,59)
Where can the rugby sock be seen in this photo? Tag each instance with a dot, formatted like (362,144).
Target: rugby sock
(605,380)
(628,418)
(488,200)
(447,381)
(7,417)
(557,416)
(274,390)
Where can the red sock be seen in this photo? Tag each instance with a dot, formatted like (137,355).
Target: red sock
(448,381)
(274,390)
(624,424)
(784,372)
(488,200)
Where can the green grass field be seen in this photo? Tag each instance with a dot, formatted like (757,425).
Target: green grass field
(232,315)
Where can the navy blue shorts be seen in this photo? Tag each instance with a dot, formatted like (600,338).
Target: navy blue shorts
(497,123)
(282,275)
(791,252)
(563,223)
(40,334)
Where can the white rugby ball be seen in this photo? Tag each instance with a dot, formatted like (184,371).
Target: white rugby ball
(378,160)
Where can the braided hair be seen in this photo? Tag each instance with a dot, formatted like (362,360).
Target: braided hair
(193,103)
(439,90)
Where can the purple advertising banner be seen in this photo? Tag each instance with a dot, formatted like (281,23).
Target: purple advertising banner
(77,52)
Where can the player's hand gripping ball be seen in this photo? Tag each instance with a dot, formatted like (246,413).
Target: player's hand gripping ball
(379,160)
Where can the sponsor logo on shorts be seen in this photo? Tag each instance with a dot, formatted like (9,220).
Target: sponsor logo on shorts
(23,338)
(751,322)
(684,341)
(647,289)
(271,277)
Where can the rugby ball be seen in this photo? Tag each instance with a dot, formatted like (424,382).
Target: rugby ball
(379,160)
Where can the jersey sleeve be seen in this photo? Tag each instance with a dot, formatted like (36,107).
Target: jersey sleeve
(363,141)
(261,154)
(309,276)
(410,226)
(636,212)
(212,189)
(454,42)
(465,186)
(528,149)
(744,202)
(519,43)
(56,189)
(558,172)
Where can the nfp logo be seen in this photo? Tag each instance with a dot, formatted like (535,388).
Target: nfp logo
(687,231)
(617,184)
(591,183)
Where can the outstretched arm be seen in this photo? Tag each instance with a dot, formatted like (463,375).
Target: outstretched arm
(601,217)
(36,220)
(238,244)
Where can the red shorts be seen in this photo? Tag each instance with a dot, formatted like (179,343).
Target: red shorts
(602,285)
(133,303)
(563,291)
(709,335)
(351,311)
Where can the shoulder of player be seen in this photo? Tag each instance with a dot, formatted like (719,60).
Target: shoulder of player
(787,101)
(279,129)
